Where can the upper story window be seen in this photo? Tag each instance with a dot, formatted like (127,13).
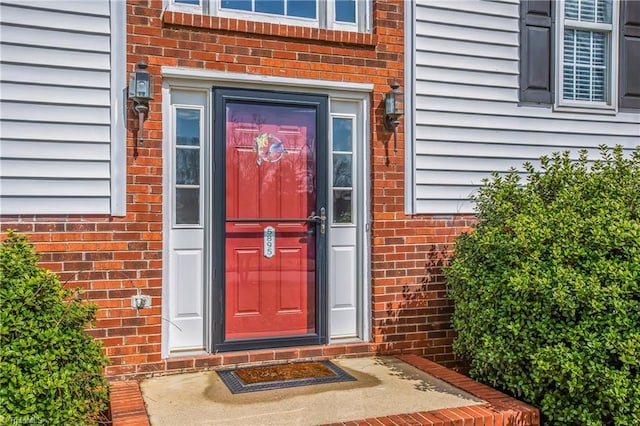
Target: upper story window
(346,15)
(589,63)
(587,55)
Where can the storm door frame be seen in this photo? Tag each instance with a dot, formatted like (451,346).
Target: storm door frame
(220,97)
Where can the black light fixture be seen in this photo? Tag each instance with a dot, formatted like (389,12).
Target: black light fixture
(140,92)
(393,105)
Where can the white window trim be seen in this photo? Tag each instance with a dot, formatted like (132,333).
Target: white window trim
(325,15)
(561,104)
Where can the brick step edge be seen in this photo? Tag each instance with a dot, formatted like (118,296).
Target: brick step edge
(499,409)
(127,405)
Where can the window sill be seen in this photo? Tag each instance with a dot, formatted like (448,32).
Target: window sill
(269,29)
(605,110)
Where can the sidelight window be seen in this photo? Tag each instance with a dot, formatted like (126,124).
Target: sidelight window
(343,131)
(187,166)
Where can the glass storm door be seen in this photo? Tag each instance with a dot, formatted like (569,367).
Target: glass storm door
(273,221)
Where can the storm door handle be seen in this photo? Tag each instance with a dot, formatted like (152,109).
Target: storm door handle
(322,219)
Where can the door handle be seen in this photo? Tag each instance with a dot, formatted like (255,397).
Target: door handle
(322,219)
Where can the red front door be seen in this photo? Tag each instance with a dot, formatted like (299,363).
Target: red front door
(270,246)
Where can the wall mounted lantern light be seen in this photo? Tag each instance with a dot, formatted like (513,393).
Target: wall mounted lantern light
(393,105)
(140,92)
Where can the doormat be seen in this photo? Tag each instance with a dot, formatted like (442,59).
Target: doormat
(268,377)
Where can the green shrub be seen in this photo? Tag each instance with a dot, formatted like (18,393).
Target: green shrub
(547,288)
(50,369)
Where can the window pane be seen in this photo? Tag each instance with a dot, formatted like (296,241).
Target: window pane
(196,2)
(598,85)
(342,206)
(187,206)
(583,47)
(588,10)
(302,8)
(583,80)
(604,11)
(568,87)
(187,166)
(571,9)
(342,170)
(342,134)
(346,10)
(569,48)
(188,127)
(236,4)
(599,46)
(275,7)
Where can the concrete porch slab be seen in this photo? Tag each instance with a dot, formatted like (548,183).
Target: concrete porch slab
(403,390)
(384,386)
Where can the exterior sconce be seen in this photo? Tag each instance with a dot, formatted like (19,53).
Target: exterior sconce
(140,92)
(393,105)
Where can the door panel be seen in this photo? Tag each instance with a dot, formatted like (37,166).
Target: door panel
(270,170)
(343,301)
(186,301)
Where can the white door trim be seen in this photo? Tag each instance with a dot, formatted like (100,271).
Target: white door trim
(181,336)
(202,81)
(347,251)
(263,81)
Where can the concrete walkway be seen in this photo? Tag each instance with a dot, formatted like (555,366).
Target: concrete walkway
(390,391)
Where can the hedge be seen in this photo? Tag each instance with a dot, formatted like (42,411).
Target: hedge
(547,287)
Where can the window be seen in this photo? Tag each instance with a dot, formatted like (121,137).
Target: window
(590,63)
(347,15)
(187,178)
(342,161)
(585,53)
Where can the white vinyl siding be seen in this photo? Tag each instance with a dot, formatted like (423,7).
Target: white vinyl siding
(465,120)
(61,107)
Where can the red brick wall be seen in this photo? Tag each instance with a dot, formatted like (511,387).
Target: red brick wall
(110,258)
(411,310)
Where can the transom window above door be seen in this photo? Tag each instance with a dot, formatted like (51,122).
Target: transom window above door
(346,15)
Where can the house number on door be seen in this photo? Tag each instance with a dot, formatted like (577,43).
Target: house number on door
(269,241)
